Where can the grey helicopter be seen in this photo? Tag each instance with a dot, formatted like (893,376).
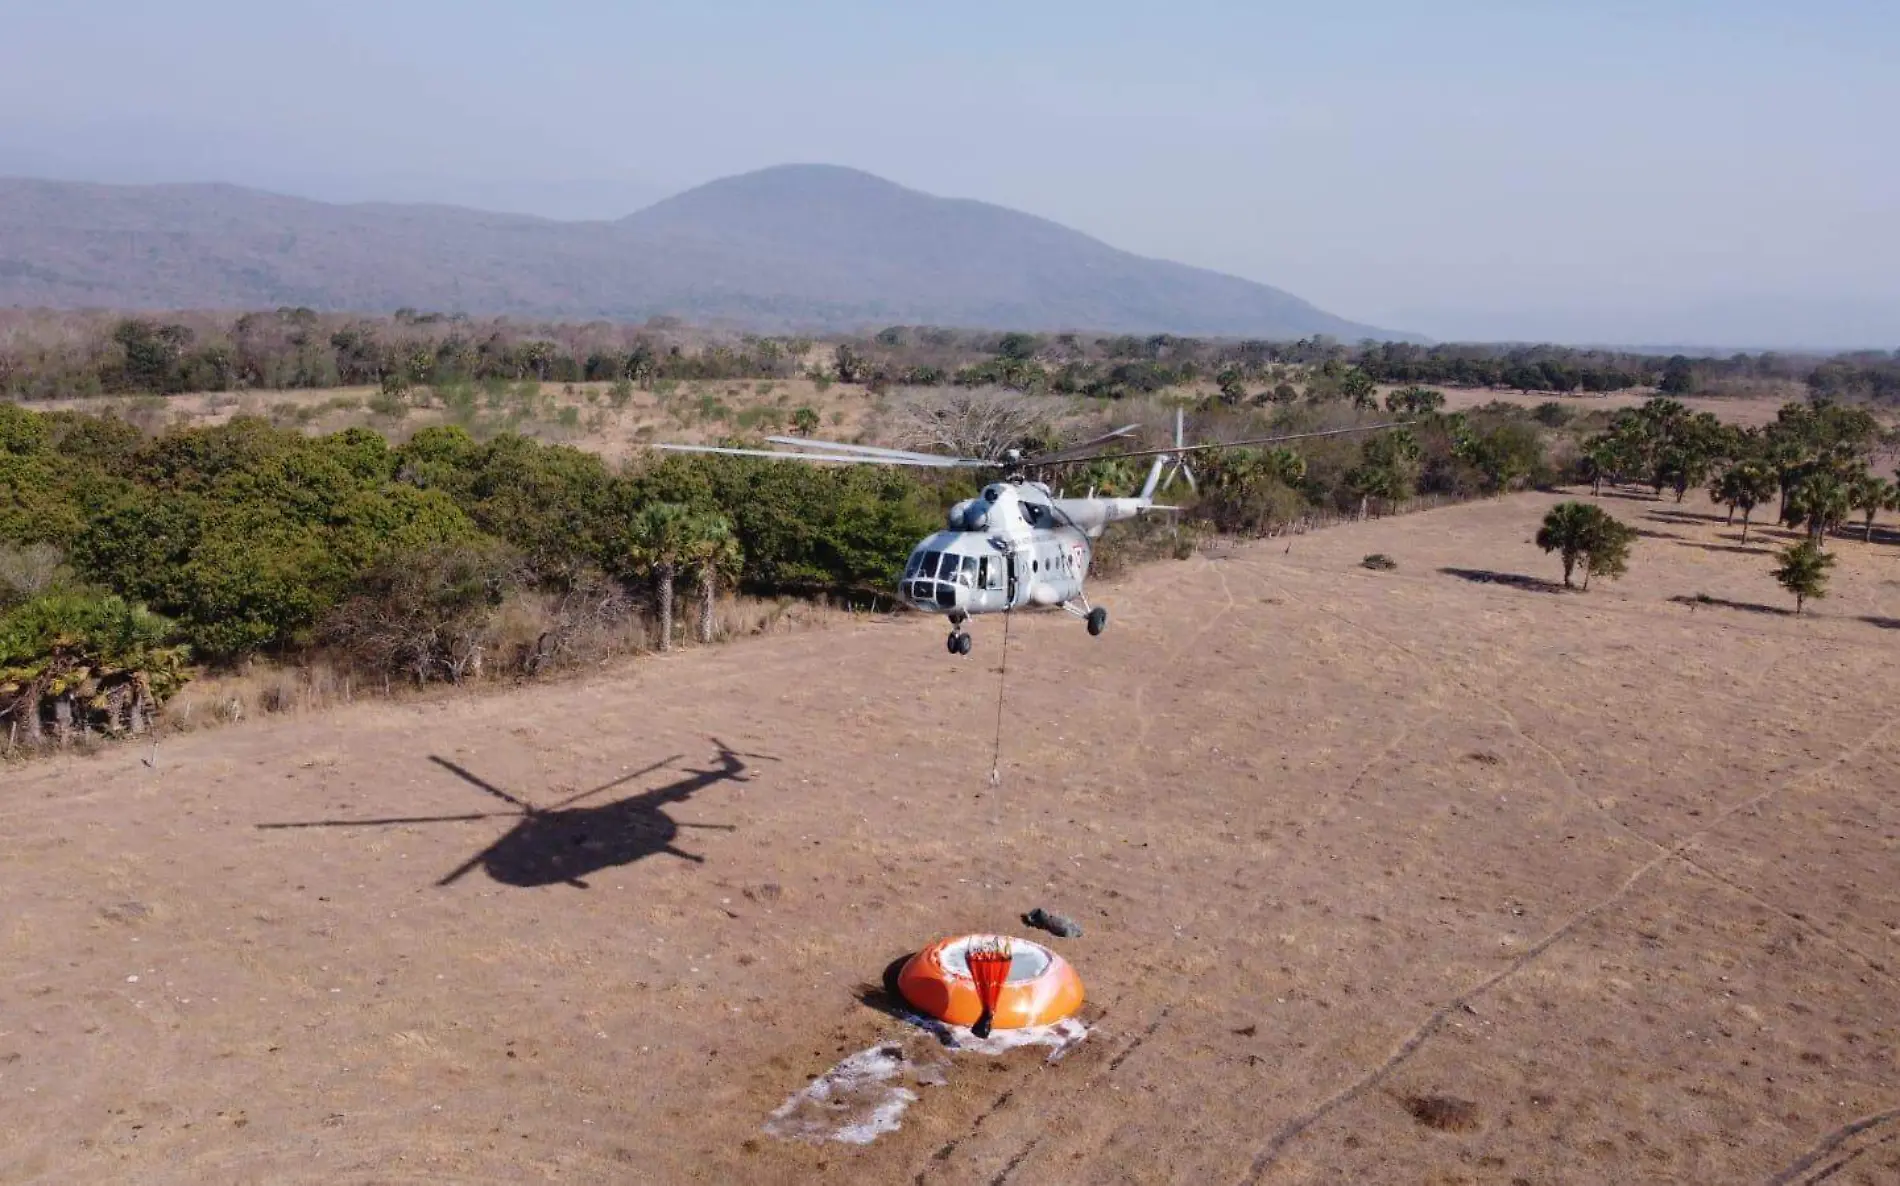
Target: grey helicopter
(1016,545)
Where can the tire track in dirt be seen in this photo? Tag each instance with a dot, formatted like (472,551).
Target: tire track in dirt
(1296,1127)
(948,1149)
(1825,1147)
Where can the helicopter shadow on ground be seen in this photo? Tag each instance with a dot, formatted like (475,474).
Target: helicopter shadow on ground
(565,843)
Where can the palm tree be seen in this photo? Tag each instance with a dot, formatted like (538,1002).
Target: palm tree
(99,654)
(1603,458)
(1803,571)
(712,551)
(1745,485)
(1871,495)
(1569,529)
(658,541)
(1820,500)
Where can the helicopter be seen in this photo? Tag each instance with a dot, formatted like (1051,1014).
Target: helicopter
(1016,545)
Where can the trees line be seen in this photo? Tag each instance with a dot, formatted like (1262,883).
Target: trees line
(49,355)
(127,559)
(1817,458)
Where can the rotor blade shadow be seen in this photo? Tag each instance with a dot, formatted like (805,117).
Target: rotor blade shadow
(621,781)
(481,783)
(394,820)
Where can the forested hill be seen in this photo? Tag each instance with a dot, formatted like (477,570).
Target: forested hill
(807,246)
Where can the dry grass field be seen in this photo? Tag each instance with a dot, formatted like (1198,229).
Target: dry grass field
(1438,875)
(582,414)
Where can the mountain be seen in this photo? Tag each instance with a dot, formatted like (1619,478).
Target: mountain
(796,246)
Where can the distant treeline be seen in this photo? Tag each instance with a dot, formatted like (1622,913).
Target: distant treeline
(52,355)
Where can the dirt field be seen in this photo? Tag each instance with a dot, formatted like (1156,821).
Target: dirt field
(1386,877)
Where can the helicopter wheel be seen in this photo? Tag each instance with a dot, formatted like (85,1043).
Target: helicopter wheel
(959,643)
(1098,620)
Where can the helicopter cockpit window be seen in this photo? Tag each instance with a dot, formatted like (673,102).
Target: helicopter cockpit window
(966,572)
(916,562)
(928,568)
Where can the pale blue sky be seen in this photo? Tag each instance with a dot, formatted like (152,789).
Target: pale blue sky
(1721,172)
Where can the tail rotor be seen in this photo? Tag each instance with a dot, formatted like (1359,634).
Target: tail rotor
(1178,466)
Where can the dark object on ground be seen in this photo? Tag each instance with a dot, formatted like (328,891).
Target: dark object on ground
(1443,1112)
(1055,924)
(1380,562)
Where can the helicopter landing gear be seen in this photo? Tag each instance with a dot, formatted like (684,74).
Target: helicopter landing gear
(959,642)
(1095,616)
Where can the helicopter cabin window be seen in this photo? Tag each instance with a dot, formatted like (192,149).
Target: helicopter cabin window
(965,571)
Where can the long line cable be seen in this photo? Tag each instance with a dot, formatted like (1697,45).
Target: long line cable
(1002,684)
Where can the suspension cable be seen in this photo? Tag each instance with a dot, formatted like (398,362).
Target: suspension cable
(1002,682)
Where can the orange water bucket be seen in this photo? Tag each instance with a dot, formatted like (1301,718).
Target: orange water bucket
(1040,989)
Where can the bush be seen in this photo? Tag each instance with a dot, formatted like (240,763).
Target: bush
(428,615)
(1379,562)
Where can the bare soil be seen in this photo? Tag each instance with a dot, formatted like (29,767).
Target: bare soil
(1411,876)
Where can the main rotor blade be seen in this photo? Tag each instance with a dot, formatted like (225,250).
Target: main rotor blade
(1292,436)
(945,463)
(867,450)
(1063,454)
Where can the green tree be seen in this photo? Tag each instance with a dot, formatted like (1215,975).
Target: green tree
(94,656)
(1387,469)
(1820,501)
(1803,571)
(712,552)
(658,541)
(805,421)
(1579,531)
(1608,554)
(1358,387)
(1744,485)
(1606,458)
(1414,401)
(1870,495)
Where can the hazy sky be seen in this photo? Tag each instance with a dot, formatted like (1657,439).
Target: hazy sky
(1716,172)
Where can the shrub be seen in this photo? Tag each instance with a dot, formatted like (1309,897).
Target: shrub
(427,615)
(1379,562)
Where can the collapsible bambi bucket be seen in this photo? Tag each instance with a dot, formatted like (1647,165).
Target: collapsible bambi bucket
(1040,989)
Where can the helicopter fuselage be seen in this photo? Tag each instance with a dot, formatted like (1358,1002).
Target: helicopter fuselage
(1010,547)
